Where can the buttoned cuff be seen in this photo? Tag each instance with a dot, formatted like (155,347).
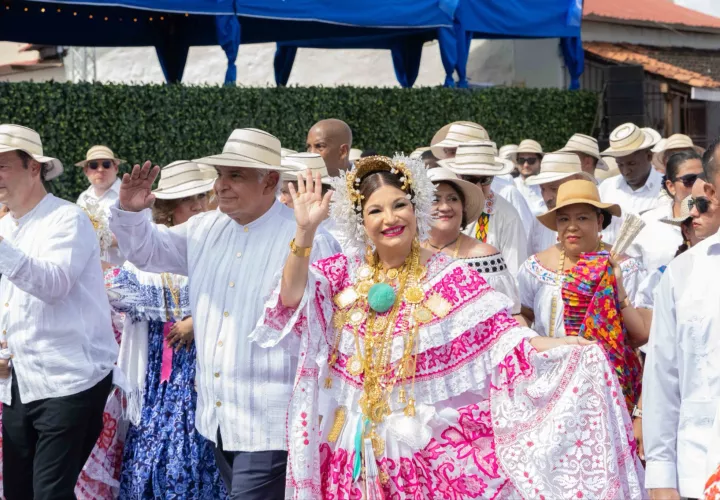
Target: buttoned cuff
(121,217)
(10,259)
(661,475)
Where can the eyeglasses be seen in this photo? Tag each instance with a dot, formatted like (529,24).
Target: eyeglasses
(94,165)
(532,160)
(688,180)
(701,204)
(483,180)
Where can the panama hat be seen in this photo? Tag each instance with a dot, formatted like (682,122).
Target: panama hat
(526,146)
(285,151)
(473,194)
(456,133)
(581,143)
(354,154)
(612,171)
(248,148)
(577,192)
(183,178)
(19,138)
(300,162)
(628,138)
(558,166)
(507,151)
(99,153)
(684,214)
(477,158)
(674,142)
(417,154)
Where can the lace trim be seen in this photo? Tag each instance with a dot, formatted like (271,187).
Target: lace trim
(628,266)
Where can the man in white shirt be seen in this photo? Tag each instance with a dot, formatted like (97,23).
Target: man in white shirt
(681,382)
(331,139)
(56,373)
(638,188)
(528,157)
(101,169)
(233,257)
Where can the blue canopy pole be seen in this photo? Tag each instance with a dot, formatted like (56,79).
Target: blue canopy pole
(574,55)
(227,30)
(406,56)
(283,63)
(172,55)
(448,54)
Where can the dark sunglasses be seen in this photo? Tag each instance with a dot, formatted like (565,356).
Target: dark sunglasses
(687,180)
(701,204)
(530,161)
(94,165)
(484,180)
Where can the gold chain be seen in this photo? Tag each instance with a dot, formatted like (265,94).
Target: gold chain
(174,293)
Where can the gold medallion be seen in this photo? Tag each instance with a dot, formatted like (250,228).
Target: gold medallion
(346,298)
(381,277)
(392,274)
(365,273)
(363,288)
(380,323)
(378,411)
(439,306)
(423,315)
(414,295)
(357,317)
(355,365)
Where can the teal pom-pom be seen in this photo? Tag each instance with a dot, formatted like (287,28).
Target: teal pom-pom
(381,297)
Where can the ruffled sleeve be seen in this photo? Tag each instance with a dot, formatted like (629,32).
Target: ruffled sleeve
(528,284)
(633,275)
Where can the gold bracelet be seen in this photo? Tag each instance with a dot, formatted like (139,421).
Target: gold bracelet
(299,251)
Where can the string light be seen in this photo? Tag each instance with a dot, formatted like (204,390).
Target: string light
(135,20)
(42,10)
(74,13)
(151,19)
(26,9)
(91,16)
(162,18)
(58,10)
(106,18)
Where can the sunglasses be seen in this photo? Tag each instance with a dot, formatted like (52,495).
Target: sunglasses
(688,180)
(94,165)
(701,204)
(484,180)
(530,161)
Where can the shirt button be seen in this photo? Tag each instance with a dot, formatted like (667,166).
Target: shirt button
(226,314)
(232,284)
(220,343)
(217,374)
(246,229)
(4,332)
(218,404)
(238,255)
(7,305)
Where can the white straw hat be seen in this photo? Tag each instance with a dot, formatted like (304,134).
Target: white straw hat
(456,133)
(99,153)
(581,143)
(248,148)
(477,158)
(628,138)
(285,151)
(354,154)
(473,194)
(526,146)
(507,151)
(612,171)
(19,138)
(183,178)
(684,214)
(557,166)
(300,162)
(417,154)
(674,142)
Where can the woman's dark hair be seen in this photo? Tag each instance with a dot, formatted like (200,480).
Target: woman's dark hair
(673,165)
(461,195)
(684,247)
(607,218)
(374,181)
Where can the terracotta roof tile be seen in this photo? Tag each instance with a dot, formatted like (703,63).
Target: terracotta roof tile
(658,11)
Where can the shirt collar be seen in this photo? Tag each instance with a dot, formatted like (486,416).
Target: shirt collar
(714,245)
(115,188)
(29,216)
(653,180)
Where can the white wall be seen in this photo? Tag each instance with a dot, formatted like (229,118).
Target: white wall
(539,63)
(711,7)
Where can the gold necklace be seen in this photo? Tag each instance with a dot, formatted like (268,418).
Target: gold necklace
(174,293)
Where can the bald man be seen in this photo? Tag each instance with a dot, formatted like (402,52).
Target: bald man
(331,139)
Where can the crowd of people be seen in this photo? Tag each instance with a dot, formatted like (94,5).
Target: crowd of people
(468,321)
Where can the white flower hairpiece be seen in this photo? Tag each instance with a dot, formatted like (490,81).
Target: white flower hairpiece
(346,206)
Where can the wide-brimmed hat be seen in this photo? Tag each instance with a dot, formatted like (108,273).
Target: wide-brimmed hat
(300,162)
(558,166)
(354,154)
(628,138)
(507,151)
(684,214)
(675,141)
(285,151)
(577,192)
(526,146)
(417,154)
(456,133)
(473,194)
(581,143)
(248,148)
(19,138)
(477,158)
(99,153)
(183,178)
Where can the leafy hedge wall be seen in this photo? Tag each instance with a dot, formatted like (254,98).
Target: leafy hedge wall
(164,123)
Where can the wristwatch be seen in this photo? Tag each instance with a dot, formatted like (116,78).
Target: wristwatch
(637,412)
(299,251)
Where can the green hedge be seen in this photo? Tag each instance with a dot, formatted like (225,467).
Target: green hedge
(164,123)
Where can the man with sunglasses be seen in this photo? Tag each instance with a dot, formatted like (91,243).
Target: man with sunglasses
(101,169)
(528,157)
(681,382)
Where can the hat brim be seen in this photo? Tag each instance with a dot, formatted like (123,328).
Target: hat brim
(500,167)
(238,161)
(82,164)
(56,166)
(438,150)
(651,139)
(185,190)
(291,176)
(600,165)
(675,221)
(474,197)
(658,156)
(549,218)
(547,177)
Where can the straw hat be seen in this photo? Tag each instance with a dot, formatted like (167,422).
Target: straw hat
(628,138)
(248,148)
(355,154)
(526,146)
(477,158)
(684,214)
(474,197)
(573,193)
(285,151)
(558,166)
(612,171)
(182,179)
(300,162)
(417,154)
(19,138)
(99,153)
(456,133)
(581,143)
(507,151)
(675,141)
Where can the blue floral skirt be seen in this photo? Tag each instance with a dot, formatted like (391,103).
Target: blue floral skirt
(165,457)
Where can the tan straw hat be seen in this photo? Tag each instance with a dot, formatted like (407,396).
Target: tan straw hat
(558,166)
(183,178)
(19,138)
(527,146)
(300,162)
(674,142)
(577,192)
(507,151)
(628,138)
(248,148)
(477,158)
(684,214)
(456,133)
(99,153)
(473,194)
(581,143)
